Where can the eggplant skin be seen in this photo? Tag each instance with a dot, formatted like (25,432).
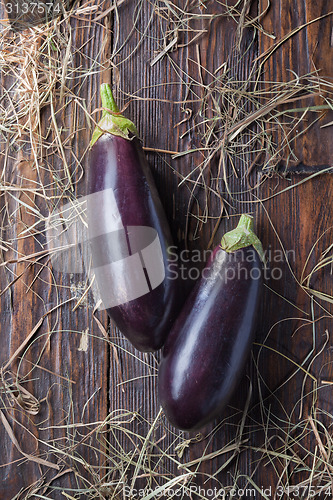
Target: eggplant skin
(204,355)
(119,164)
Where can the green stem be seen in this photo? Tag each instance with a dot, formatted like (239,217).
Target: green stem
(108,101)
(243,236)
(112,122)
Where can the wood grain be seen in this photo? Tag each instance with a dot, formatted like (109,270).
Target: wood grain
(294,222)
(308,52)
(70,383)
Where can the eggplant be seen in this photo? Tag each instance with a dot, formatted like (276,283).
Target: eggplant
(204,355)
(130,238)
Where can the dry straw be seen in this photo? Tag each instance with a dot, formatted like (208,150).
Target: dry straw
(41,111)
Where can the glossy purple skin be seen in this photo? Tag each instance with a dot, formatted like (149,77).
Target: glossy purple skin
(206,350)
(120,164)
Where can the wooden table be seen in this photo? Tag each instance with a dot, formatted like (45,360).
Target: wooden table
(97,425)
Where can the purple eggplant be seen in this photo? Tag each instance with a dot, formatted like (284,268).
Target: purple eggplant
(129,234)
(204,355)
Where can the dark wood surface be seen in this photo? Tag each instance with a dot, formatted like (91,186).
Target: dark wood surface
(109,377)
(306,52)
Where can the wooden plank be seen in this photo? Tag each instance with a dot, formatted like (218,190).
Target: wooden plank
(158,95)
(308,51)
(295,325)
(292,341)
(71,379)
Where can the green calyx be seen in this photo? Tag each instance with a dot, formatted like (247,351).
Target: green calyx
(243,236)
(112,122)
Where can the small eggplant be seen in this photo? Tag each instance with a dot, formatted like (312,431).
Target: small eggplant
(129,234)
(204,355)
